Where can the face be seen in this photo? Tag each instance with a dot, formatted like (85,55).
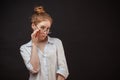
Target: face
(44,27)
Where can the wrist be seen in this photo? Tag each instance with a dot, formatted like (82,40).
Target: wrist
(34,44)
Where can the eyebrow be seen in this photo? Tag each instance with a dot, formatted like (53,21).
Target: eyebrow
(43,26)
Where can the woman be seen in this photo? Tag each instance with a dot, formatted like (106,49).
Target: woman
(44,56)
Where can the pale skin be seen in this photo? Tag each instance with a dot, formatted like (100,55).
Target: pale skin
(39,39)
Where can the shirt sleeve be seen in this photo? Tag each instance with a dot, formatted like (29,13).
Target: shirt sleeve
(26,57)
(62,67)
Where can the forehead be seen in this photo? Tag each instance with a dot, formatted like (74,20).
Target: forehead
(44,23)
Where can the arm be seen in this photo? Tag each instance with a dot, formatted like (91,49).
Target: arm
(60,77)
(31,59)
(62,69)
(34,58)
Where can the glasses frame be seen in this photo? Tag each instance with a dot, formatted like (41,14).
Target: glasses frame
(48,31)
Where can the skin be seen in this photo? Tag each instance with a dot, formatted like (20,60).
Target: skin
(39,39)
(40,31)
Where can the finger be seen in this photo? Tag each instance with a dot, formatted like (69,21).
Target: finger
(34,33)
(37,33)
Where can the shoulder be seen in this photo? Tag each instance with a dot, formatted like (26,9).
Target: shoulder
(55,40)
(25,45)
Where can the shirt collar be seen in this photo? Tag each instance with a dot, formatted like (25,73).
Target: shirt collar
(50,41)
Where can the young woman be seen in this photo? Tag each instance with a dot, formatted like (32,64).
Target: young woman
(43,55)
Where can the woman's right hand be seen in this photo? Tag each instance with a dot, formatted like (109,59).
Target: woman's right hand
(34,36)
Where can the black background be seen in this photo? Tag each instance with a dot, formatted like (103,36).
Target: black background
(88,28)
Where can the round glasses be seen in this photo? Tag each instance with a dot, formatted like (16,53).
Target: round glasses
(44,30)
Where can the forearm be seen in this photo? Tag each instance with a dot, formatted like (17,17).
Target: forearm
(60,77)
(34,59)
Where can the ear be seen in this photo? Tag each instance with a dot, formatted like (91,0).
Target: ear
(33,26)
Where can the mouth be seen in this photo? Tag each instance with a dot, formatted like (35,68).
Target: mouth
(43,36)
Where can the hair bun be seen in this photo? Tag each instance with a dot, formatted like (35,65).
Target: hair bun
(39,9)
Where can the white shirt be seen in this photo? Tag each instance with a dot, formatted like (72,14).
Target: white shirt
(52,60)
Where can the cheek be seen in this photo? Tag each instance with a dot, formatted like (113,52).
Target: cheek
(42,35)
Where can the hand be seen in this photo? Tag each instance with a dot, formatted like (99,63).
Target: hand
(34,36)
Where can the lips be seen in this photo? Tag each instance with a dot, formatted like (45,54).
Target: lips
(42,36)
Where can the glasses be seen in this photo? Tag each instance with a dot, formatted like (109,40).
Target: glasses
(44,29)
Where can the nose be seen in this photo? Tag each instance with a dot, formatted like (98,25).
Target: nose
(45,31)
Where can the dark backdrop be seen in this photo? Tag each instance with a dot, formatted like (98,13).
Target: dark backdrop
(88,29)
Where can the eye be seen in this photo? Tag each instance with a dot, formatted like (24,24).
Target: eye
(47,29)
(42,27)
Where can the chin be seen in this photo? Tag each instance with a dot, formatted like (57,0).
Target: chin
(42,38)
